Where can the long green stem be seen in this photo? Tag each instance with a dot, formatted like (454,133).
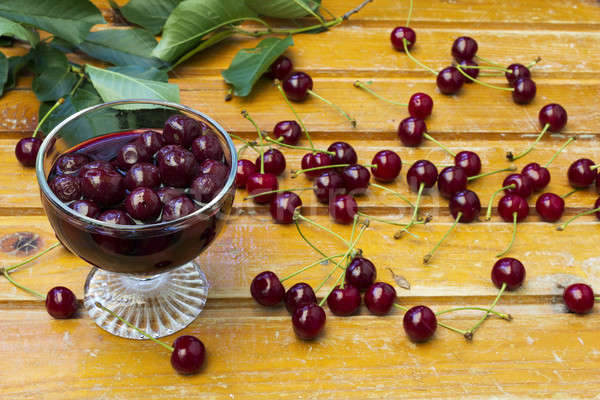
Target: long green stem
(392,192)
(459,68)
(275,191)
(295,173)
(510,155)
(489,311)
(564,196)
(352,120)
(315,248)
(33,258)
(507,317)
(312,146)
(50,111)
(380,219)
(428,255)
(262,150)
(511,168)
(277,141)
(404,41)
(310,266)
(489,62)
(4,272)
(361,85)
(246,143)
(410,8)
(563,226)
(141,332)
(560,150)
(303,218)
(447,150)
(438,322)
(488,214)
(495,68)
(512,240)
(398,234)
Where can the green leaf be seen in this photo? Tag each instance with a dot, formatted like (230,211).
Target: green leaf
(3,71)
(149,14)
(152,74)
(284,8)
(68,19)
(45,57)
(63,45)
(115,86)
(192,20)
(10,28)
(249,64)
(86,96)
(53,83)
(58,115)
(122,47)
(15,63)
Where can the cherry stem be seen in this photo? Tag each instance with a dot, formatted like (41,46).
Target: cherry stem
(312,146)
(262,152)
(275,191)
(310,266)
(229,94)
(50,111)
(489,62)
(560,150)
(303,218)
(315,248)
(279,142)
(563,226)
(141,332)
(439,323)
(361,85)
(537,60)
(510,156)
(459,68)
(298,172)
(392,192)
(503,69)
(32,258)
(489,311)
(404,41)
(428,256)
(246,143)
(511,168)
(488,214)
(564,196)
(350,248)
(352,120)
(383,220)
(4,272)
(398,234)
(427,136)
(514,234)
(507,317)
(410,8)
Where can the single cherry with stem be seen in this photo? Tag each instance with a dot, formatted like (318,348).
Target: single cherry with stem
(361,273)
(453,179)
(464,48)
(512,207)
(299,293)
(403,37)
(288,132)
(380,297)
(579,298)
(523,90)
(280,68)
(387,165)
(469,161)
(540,176)
(282,207)
(412,130)
(582,173)
(419,105)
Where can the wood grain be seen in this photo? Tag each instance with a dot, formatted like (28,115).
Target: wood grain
(252,351)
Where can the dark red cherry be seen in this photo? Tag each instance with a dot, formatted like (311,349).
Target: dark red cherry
(66,187)
(274,161)
(328,185)
(469,161)
(343,208)
(580,174)
(550,207)
(509,271)
(361,273)
(344,301)
(450,80)
(308,320)
(388,165)
(177,207)
(280,68)
(132,153)
(142,175)
(177,167)
(259,183)
(380,297)
(411,130)
(188,355)
(356,179)
(579,298)
(206,187)
(26,150)
(420,323)
(554,115)
(282,207)
(152,141)
(451,180)
(399,34)
(181,130)
(166,194)
(143,204)
(296,85)
(420,105)
(61,302)
(523,185)
(214,167)
(472,73)
(266,289)
(516,71)
(597,205)
(315,160)
(207,148)
(71,163)
(106,188)
(524,90)
(464,48)
(344,154)
(245,168)
(466,202)
(118,217)
(299,293)
(290,131)
(538,175)
(513,203)
(164,150)
(86,208)
(98,164)
(421,172)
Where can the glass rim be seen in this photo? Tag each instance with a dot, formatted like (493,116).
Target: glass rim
(47,192)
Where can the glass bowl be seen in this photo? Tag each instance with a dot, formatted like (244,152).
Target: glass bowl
(144,273)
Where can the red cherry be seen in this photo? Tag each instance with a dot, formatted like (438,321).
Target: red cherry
(61,302)
(188,355)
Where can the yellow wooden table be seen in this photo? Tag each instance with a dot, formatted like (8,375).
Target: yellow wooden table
(252,351)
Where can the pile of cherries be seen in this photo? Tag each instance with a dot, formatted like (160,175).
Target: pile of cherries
(154,177)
